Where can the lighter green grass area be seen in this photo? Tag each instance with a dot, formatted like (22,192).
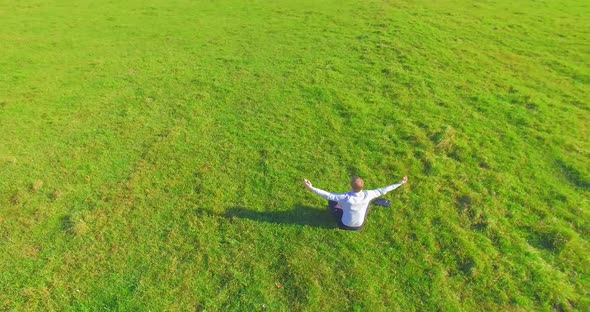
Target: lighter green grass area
(152,153)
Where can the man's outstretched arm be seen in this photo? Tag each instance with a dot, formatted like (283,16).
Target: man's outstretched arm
(322,193)
(386,189)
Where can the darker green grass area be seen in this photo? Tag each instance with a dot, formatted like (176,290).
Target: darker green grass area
(152,155)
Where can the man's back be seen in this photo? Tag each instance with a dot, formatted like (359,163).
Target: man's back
(354,207)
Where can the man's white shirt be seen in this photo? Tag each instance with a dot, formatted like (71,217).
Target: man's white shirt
(354,204)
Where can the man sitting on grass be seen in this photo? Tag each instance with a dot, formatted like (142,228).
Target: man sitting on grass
(351,208)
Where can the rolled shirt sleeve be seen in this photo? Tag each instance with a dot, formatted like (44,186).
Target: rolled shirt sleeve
(382,191)
(328,195)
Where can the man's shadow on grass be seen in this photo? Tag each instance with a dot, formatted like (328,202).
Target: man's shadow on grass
(298,215)
(301,215)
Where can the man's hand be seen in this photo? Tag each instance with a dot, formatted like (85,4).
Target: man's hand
(307,184)
(404,180)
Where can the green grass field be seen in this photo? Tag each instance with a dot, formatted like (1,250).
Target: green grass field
(152,155)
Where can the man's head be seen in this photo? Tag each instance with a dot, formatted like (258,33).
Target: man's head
(356,183)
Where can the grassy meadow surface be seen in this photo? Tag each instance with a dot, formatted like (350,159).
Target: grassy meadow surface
(152,153)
